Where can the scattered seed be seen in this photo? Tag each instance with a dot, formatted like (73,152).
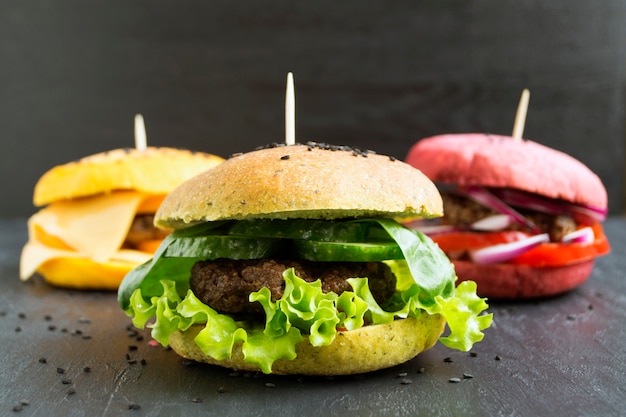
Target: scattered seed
(406,381)
(421,370)
(454,380)
(52,327)
(132,348)
(18,407)
(43,360)
(47,317)
(571,317)
(270,385)
(448,360)
(402,374)
(60,371)
(18,329)
(87,369)
(143,361)
(473,354)
(86,337)
(66,381)
(498,358)
(133,406)
(221,390)
(84,320)
(24,402)
(21,315)
(467,376)
(71,391)
(196,400)
(235,374)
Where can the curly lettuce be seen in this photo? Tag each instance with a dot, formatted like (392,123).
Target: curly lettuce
(158,293)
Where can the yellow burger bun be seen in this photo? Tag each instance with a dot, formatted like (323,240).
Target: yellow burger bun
(151,171)
(357,351)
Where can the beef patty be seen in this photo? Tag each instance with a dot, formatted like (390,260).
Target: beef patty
(462,211)
(225,284)
(143,229)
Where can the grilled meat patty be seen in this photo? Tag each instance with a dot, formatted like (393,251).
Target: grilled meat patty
(225,284)
(463,211)
(142,229)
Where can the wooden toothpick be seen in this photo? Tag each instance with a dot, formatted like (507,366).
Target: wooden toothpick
(520,116)
(141,142)
(290,112)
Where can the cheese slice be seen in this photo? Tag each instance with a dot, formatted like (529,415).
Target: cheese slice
(95,227)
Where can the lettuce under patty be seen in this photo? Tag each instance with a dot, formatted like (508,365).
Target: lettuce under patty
(158,293)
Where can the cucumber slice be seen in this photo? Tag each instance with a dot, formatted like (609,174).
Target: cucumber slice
(321,230)
(347,252)
(214,247)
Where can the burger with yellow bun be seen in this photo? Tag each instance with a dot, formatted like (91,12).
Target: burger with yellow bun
(95,224)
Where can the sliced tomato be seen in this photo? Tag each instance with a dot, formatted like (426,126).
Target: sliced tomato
(558,254)
(547,254)
(466,241)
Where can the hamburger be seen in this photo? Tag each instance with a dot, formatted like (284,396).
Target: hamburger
(95,221)
(289,260)
(522,220)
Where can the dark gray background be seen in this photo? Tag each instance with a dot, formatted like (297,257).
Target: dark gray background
(210,75)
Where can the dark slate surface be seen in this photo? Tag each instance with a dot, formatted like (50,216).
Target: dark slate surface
(562,356)
(210,75)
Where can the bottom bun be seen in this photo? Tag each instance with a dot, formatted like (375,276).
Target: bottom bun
(84,274)
(511,281)
(352,352)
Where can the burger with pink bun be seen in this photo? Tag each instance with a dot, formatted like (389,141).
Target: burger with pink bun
(521,219)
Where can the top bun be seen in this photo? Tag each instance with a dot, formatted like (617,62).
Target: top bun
(502,161)
(152,171)
(302,181)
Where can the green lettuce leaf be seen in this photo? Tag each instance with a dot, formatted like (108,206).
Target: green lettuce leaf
(159,289)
